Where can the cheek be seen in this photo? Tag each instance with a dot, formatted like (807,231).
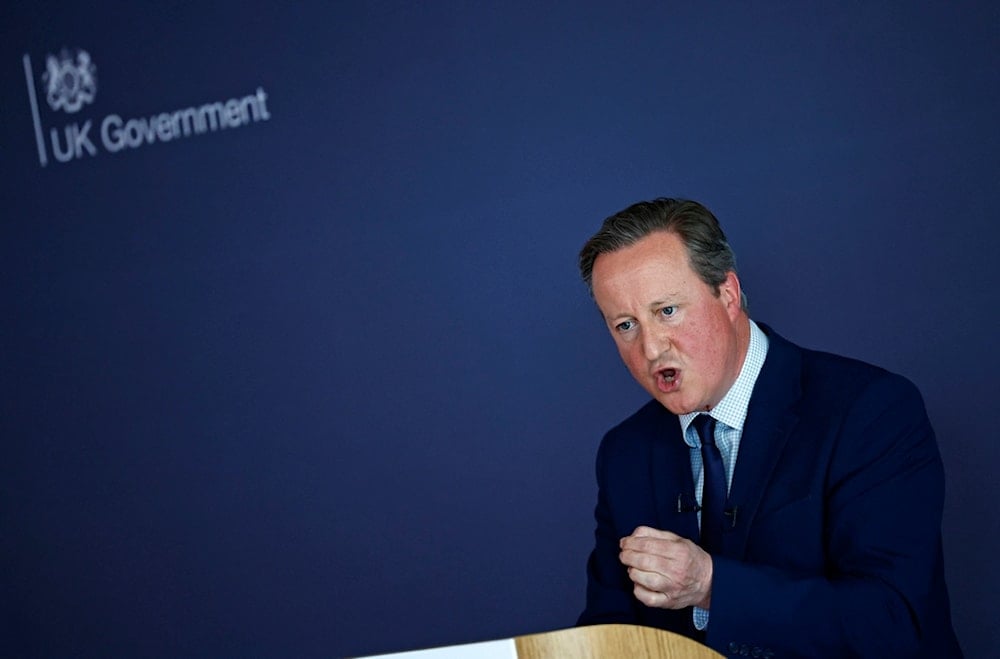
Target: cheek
(709,350)
(631,355)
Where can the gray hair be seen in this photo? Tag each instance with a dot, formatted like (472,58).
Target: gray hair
(708,251)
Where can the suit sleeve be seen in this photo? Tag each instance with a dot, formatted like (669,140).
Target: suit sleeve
(881,588)
(609,598)
(625,501)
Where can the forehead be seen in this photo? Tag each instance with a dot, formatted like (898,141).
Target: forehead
(660,256)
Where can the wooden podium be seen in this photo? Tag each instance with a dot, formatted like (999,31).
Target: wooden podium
(594,642)
(611,642)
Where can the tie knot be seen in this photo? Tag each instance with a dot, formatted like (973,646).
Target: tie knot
(705,426)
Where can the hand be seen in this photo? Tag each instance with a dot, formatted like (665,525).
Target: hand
(669,572)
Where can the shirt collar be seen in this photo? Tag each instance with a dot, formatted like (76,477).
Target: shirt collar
(732,409)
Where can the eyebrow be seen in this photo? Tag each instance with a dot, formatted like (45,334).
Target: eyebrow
(668,300)
(617,317)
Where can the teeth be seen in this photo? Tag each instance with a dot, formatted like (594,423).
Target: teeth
(669,375)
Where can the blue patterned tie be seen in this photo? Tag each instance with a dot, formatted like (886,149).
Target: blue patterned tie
(713,493)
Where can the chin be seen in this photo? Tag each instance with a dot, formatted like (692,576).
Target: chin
(674,406)
(678,406)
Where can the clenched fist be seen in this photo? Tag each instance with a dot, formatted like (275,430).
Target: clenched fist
(669,572)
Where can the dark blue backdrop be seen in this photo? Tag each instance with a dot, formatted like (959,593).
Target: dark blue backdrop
(327,383)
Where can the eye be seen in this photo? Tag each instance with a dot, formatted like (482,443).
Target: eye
(668,310)
(625,325)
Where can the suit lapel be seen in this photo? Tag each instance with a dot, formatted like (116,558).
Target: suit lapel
(770,420)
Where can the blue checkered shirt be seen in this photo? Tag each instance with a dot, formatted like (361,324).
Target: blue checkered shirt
(729,416)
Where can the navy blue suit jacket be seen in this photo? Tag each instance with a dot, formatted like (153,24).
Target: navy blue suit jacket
(834,549)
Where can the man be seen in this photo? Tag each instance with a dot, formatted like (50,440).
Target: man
(769,501)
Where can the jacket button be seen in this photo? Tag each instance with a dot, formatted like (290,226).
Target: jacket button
(734,647)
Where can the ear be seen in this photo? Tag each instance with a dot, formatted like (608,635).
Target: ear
(730,294)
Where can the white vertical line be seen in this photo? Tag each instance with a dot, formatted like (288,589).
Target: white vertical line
(34,110)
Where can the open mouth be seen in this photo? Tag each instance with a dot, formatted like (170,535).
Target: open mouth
(667,379)
(667,375)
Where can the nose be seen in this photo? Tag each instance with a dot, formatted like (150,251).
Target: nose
(655,342)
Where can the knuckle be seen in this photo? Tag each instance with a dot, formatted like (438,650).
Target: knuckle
(659,582)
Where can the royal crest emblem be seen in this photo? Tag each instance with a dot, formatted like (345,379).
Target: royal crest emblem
(70,82)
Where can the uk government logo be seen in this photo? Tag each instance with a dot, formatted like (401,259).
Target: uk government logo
(70,83)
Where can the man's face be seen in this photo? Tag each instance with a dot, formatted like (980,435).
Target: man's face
(683,343)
